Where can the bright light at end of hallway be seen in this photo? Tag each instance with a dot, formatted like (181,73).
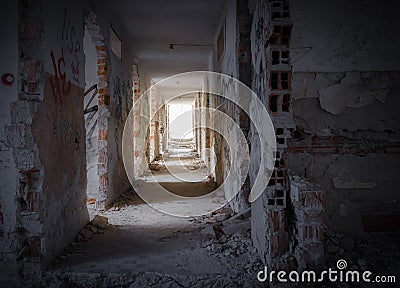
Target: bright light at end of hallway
(181,121)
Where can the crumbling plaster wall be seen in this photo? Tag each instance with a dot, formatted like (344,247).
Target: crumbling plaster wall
(270,34)
(43,199)
(345,86)
(121,95)
(59,130)
(116,88)
(46,129)
(139,126)
(236,63)
(224,63)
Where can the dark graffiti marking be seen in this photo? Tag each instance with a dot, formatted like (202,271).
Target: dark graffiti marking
(7,79)
(127,86)
(59,86)
(118,97)
(73,45)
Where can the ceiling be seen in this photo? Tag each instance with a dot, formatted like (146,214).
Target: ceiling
(148,27)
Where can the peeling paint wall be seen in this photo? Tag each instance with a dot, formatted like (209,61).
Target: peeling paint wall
(345,105)
(344,36)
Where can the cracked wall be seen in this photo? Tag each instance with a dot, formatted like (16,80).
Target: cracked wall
(43,200)
(344,101)
(270,39)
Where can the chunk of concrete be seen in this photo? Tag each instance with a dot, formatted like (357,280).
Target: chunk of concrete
(86,233)
(208,233)
(100,221)
(236,226)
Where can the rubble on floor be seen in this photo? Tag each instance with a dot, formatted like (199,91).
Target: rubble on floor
(199,239)
(229,238)
(97,226)
(377,253)
(195,163)
(157,164)
(145,279)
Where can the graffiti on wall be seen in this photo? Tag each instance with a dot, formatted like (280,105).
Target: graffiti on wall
(7,79)
(65,63)
(59,85)
(73,45)
(259,33)
(117,93)
(127,90)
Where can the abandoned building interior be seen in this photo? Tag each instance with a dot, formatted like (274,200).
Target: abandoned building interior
(90,127)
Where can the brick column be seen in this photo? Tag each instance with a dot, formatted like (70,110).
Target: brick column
(308,202)
(104,106)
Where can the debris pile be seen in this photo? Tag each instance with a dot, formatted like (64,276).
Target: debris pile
(125,199)
(373,252)
(157,164)
(96,226)
(195,163)
(228,236)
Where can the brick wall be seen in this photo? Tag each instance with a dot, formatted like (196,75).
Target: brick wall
(286,234)
(270,37)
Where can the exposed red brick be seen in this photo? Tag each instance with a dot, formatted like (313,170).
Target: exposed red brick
(314,199)
(103,180)
(277,221)
(101,48)
(104,100)
(31,30)
(32,199)
(103,134)
(278,243)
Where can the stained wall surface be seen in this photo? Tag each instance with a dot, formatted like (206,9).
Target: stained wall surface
(345,99)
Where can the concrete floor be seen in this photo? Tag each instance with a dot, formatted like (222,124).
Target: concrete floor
(143,241)
(143,247)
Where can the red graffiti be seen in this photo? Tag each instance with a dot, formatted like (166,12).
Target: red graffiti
(60,87)
(7,79)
